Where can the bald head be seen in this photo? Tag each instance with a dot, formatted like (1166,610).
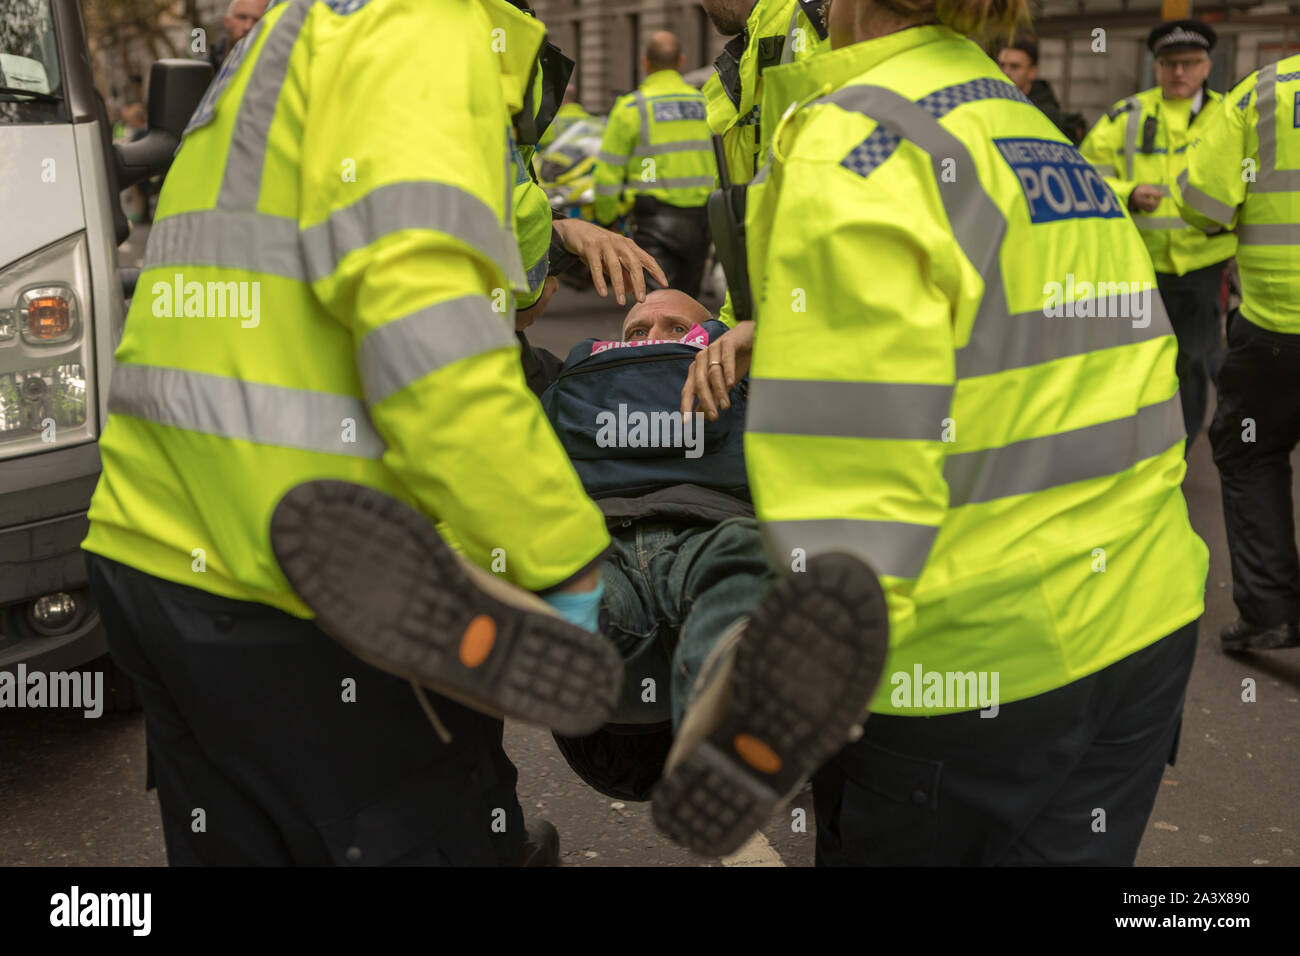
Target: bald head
(665,314)
(663,52)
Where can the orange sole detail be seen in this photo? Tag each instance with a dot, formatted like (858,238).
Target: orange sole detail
(476,643)
(757,754)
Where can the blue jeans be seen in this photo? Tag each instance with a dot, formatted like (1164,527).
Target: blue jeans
(671,591)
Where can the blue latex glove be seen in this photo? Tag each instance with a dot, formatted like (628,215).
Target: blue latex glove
(579,608)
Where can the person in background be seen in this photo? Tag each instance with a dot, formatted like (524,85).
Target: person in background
(1256,424)
(656,151)
(1140,148)
(570,112)
(239,19)
(1019,61)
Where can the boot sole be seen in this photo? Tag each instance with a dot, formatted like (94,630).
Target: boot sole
(386,586)
(1245,645)
(805,670)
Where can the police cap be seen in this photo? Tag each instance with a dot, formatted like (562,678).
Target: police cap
(1181,35)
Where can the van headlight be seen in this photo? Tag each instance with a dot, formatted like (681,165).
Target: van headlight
(45,350)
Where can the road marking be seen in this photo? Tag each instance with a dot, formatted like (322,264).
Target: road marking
(756,852)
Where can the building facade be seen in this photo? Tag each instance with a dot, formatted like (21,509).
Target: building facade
(607,38)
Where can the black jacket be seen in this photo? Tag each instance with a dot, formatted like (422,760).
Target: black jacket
(1041,95)
(683,502)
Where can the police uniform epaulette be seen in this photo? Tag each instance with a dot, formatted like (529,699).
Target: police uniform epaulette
(1120,108)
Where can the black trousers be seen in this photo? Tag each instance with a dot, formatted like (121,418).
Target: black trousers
(1033,785)
(1256,427)
(677,237)
(1192,301)
(272,745)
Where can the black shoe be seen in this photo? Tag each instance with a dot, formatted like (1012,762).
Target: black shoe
(780,696)
(541,844)
(386,586)
(1241,636)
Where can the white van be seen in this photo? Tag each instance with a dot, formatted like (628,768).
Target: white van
(62,303)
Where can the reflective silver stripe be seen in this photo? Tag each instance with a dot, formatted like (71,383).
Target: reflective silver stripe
(639,98)
(272,245)
(1131,136)
(977,222)
(761,175)
(1279,181)
(410,205)
(999,340)
(611,159)
(241,182)
(1105,169)
(681,146)
(1033,338)
(1270,179)
(1269,234)
(1037,464)
(251,241)
(246,411)
(1266,122)
(1159,222)
(787,50)
(896,548)
(608,189)
(884,410)
(674,182)
(1204,203)
(404,351)
(536,273)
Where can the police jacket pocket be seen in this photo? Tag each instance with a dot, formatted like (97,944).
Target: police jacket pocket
(890,810)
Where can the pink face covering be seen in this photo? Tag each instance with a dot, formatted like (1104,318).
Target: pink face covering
(697,337)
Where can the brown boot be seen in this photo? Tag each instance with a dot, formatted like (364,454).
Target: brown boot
(385,585)
(777,698)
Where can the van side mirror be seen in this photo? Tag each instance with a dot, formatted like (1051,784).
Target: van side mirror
(175,89)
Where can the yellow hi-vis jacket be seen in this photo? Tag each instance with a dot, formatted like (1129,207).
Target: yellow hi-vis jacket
(656,143)
(1244,171)
(945,385)
(370,250)
(532,215)
(565,116)
(1143,139)
(735,105)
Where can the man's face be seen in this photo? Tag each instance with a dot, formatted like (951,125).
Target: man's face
(241,17)
(665,314)
(1180,73)
(728,16)
(1019,70)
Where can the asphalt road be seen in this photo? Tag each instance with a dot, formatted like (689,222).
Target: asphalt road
(71,789)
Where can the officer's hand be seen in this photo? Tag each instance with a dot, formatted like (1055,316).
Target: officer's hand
(717,369)
(528,316)
(608,252)
(1145,198)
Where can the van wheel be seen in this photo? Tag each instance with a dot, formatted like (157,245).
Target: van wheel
(122,695)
